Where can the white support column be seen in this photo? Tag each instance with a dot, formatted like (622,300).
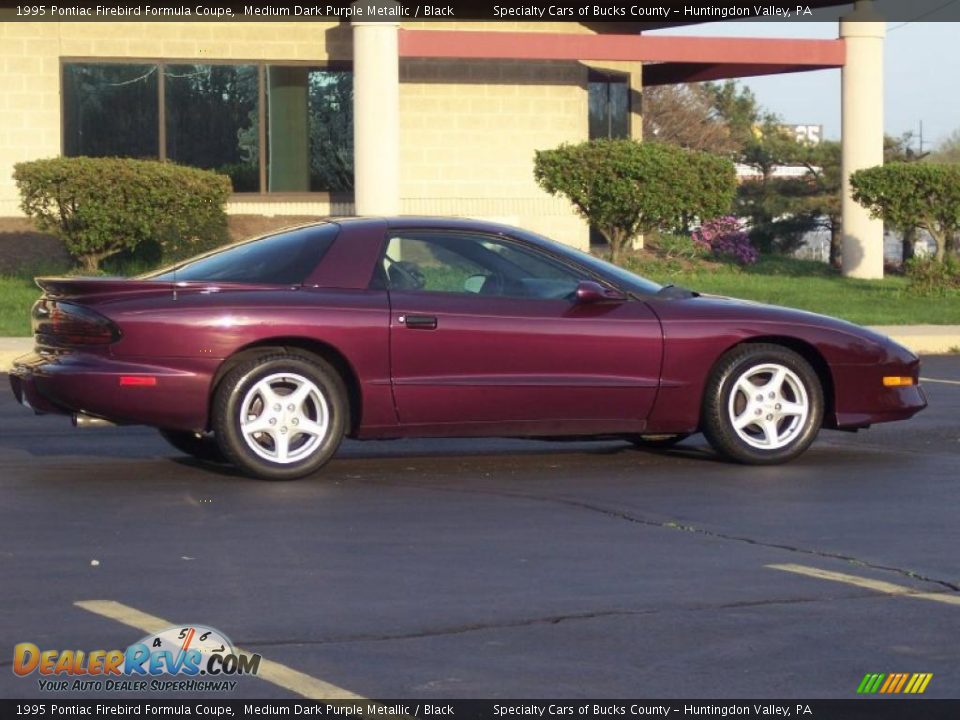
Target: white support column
(862,108)
(376,116)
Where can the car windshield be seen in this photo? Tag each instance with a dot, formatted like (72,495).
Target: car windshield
(286,258)
(616,274)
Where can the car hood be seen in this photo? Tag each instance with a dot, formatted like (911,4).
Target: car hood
(753,318)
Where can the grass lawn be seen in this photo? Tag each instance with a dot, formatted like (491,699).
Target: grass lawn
(17,296)
(781,281)
(810,286)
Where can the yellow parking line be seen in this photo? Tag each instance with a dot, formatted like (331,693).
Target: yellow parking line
(943,382)
(877,585)
(273,672)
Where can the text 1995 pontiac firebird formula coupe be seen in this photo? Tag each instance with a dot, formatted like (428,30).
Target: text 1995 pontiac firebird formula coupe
(267,353)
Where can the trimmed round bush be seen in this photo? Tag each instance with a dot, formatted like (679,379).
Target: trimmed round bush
(103,206)
(625,188)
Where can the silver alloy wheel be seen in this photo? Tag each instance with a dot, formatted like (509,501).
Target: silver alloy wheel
(768,406)
(284,418)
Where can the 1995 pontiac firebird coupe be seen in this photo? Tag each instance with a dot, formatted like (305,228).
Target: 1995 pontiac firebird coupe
(267,353)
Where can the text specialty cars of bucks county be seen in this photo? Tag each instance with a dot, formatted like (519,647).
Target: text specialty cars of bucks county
(265,354)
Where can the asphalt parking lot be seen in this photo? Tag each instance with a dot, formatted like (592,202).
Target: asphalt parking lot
(463,569)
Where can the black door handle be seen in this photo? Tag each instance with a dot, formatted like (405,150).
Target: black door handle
(419,322)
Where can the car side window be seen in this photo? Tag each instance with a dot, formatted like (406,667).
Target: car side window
(471,263)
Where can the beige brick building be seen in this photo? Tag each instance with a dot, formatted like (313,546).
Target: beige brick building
(441,118)
(469,128)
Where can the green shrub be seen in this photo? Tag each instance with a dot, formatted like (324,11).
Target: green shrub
(625,188)
(100,207)
(914,195)
(929,278)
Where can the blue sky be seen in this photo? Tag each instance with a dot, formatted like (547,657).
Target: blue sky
(921,68)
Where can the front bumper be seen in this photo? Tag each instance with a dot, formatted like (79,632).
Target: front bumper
(88,383)
(861,399)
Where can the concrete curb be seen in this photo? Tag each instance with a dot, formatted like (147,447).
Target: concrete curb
(922,339)
(12,348)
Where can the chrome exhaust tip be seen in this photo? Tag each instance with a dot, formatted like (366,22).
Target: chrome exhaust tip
(83,421)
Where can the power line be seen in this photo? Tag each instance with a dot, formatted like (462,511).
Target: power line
(923,15)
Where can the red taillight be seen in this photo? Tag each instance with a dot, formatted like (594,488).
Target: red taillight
(64,323)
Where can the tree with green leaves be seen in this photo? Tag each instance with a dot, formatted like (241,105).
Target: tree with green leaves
(779,210)
(914,195)
(737,106)
(625,188)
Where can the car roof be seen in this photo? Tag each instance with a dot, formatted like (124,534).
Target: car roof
(424,221)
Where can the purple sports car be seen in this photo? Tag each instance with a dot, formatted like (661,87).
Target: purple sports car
(265,354)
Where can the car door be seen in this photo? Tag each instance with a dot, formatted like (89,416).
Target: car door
(485,329)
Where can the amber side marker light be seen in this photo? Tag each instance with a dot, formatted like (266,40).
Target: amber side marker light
(896,381)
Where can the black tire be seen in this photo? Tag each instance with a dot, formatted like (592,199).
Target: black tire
(792,433)
(203,447)
(329,404)
(658,442)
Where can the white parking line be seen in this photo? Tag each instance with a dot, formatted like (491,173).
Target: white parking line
(877,585)
(273,672)
(942,382)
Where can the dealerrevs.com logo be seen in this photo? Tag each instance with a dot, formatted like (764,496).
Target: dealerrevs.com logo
(186,658)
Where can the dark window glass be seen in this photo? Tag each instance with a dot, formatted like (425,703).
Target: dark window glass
(478,264)
(309,130)
(609,106)
(331,131)
(212,120)
(110,110)
(286,258)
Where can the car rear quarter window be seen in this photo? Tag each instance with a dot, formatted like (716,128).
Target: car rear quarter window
(286,258)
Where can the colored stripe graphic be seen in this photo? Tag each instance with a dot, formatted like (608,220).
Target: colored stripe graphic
(894,683)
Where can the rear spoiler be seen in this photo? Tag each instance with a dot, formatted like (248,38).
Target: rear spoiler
(67,287)
(75,287)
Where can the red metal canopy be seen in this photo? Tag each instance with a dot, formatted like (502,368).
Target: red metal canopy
(672,59)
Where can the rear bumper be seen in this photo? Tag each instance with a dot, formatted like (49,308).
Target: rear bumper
(87,383)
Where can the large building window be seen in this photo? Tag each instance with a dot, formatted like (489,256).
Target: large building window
(609,105)
(110,110)
(271,128)
(212,120)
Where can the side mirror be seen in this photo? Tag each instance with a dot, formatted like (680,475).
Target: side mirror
(590,292)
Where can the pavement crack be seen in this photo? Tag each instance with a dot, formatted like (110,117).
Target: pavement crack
(455,630)
(549,620)
(687,527)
